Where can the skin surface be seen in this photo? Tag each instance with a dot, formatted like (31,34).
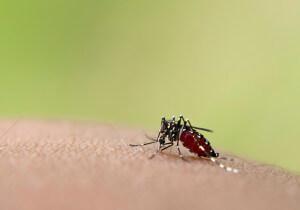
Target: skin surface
(69,165)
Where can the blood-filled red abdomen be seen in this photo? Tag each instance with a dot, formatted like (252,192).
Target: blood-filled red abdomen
(193,141)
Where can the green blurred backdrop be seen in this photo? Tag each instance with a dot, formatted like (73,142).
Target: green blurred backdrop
(232,66)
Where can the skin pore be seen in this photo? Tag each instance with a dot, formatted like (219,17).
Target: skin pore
(73,165)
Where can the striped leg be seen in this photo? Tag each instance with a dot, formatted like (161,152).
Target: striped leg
(143,144)
(215,161)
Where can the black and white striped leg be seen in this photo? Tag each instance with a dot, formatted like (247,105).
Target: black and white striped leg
(143,144)
(178,149)
(221,165)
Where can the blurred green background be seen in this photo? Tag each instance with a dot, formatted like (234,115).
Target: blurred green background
(232,66)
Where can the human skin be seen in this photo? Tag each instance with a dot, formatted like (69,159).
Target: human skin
(72,165)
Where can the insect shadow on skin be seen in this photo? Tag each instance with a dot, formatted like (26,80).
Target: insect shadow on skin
(173,131)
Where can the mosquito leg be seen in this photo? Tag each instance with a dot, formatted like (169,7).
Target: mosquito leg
(178,149)
(180,132)
(136,145)
(153,140)
(181,118)
(194,127)
(188,121)
(166,147)
(161,146)
(157,151)
(215,161)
